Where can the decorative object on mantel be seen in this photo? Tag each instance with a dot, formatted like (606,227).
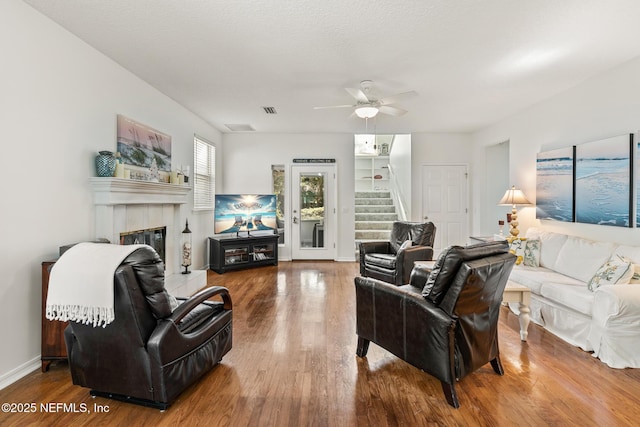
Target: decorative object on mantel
(105,163)
(119,166)
(153,170)
(185,172)
(186,248)
(514,197)
(140,145)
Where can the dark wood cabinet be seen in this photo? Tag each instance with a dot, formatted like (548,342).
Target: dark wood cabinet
(53,346)
(235,253)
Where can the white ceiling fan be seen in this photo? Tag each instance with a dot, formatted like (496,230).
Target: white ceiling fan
(367,106)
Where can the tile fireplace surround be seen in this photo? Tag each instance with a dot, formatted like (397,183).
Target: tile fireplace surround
(123,205)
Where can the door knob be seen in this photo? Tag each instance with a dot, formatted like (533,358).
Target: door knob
(295,219)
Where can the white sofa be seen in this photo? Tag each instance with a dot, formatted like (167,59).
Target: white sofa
(604,320)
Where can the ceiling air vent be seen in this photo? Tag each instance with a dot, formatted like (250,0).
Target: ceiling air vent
(270,110)
(240,127)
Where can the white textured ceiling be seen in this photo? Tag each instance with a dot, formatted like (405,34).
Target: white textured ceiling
(472,62)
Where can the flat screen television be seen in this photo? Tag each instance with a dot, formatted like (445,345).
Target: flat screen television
(236,213)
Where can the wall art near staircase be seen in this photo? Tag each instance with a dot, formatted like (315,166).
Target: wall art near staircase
(604,181)
(554,184)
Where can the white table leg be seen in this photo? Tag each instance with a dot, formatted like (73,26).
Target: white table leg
(524,319)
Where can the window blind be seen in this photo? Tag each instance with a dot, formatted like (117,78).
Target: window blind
(204,182)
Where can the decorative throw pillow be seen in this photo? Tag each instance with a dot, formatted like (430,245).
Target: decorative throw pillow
(405,245)
(635,278)
(616,270)
(517,247)
(173,302)
(532,253)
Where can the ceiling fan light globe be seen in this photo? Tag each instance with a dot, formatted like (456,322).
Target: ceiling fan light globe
(366,112)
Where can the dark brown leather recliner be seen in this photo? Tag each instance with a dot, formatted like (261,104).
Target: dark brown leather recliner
(445,321)
(148,355)
(390,261)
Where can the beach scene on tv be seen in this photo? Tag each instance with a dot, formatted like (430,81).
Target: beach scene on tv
(236,213)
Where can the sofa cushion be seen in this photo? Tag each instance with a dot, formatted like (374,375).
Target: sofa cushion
(534,277)
(578,298)
(615,270)
(581,258)
(387,261)
(550,245)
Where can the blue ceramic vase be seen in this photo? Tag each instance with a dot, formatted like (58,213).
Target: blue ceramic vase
(105,163)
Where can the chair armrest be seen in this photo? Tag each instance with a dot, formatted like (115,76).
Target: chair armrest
(183,309)
(612,302)
(167,341)
(614,325)
(406,259)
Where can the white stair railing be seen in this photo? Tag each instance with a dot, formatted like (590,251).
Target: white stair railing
(397,195)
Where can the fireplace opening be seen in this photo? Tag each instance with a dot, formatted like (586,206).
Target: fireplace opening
(154,237)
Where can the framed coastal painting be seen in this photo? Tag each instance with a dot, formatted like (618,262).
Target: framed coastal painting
(554,184)
(139,144)
(604,181)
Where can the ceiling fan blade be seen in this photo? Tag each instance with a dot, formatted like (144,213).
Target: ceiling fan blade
(392,111)
(358,95)
(392,99)
(335,106)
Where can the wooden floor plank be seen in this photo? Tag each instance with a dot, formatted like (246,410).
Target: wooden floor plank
(293,363)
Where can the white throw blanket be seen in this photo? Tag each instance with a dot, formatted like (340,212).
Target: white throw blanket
(81,283)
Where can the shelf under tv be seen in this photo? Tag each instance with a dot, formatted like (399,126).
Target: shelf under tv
(232,252)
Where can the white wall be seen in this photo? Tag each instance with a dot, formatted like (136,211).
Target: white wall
(58,106)
(247,169)
(601,107)
(436,149)
(496,182)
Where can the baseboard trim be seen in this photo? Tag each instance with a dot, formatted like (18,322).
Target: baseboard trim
(18,373)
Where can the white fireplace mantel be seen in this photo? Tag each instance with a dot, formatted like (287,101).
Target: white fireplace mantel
(119,191)
(124,205)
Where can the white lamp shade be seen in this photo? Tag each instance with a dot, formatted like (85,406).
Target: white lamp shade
(513,197)
(366,112)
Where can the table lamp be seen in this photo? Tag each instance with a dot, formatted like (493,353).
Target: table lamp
(514,197)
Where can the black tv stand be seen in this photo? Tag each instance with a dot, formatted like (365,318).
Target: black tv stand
(228,253)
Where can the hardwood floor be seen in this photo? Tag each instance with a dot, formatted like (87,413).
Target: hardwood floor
(293,363)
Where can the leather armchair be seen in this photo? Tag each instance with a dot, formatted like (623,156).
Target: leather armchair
(390,261)
(149,354)
(445,321)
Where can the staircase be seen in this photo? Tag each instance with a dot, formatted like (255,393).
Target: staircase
(375,214)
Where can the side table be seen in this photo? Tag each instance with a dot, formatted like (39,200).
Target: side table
(522,295)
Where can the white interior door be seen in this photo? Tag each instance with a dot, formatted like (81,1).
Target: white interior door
(313,211)
(444,202)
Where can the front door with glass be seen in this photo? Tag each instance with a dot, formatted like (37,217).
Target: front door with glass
(313,212)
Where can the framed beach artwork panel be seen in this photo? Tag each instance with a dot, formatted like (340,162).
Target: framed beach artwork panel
(554,184)
(636,172)
(604,181)
(139,144)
